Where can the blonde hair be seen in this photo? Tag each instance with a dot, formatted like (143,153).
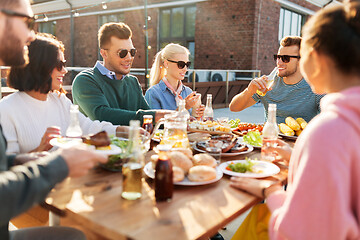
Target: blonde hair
(157,71)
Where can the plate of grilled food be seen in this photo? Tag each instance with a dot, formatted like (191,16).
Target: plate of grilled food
(100,142)
(231,146)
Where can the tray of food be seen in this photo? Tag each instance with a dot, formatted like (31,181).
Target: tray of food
(243,128)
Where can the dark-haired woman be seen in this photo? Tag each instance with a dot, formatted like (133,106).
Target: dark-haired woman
(39,112)
(322,200)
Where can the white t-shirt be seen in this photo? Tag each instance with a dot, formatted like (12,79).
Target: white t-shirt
(25,119)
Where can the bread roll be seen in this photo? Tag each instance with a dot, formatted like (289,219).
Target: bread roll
(180,160)
(204,159)
(201,174)
(185,151)
(178,174)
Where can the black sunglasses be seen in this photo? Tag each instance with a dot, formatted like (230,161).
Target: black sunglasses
(123,53)
(181,64)
(285,58)
(60,65)
(30,21)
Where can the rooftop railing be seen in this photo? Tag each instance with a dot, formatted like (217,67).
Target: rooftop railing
(223,84)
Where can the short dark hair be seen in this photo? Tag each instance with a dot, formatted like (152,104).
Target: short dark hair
(43,58)
(291,41)
(108,30)
(335,32)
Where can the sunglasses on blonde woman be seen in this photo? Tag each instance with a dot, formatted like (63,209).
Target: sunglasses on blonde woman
(181,64)
(60,65)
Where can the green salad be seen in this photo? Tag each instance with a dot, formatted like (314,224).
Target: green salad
(241,167)
(234,123)
(115,161)
(253,138)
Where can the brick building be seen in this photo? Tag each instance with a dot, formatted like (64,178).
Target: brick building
(221,34)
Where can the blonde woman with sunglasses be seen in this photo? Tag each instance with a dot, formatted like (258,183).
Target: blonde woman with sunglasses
(166,75)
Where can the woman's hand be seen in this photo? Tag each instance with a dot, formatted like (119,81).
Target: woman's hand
(190,100)
(253,186)
(200,111)
(50,133)
(282,150)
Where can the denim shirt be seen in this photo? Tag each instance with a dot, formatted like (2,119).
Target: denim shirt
(106,72)
(160,96)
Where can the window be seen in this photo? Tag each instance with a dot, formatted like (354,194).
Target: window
(290,23)
(177,25)
(48,27)
(111,18)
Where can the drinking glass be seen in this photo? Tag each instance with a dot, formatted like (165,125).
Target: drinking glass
(215,149)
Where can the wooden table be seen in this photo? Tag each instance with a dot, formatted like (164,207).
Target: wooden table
(195,212)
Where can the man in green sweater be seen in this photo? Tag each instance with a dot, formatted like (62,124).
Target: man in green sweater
(107,92)
(26,184)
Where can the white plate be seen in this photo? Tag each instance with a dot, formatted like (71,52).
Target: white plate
(150,172)
(288,137)
(69,142)
(267,168)
(250,149)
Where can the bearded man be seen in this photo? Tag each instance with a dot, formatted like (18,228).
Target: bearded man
(290,92)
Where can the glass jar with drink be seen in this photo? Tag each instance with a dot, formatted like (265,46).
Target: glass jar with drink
(148,123)
(175,132)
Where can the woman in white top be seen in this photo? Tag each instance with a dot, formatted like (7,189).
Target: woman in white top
(40,111)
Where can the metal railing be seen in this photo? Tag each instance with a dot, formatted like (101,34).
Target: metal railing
(193,75)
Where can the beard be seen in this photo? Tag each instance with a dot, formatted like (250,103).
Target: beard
(11,49)
(288,73)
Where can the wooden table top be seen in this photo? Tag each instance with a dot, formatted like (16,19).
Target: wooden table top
(195,212)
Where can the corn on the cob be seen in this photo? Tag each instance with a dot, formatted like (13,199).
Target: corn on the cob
(292,123)
(301,122)
(298,132)
(285,129)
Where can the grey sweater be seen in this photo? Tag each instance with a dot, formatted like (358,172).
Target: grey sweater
(23,186)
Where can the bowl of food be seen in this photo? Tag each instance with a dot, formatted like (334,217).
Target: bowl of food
(121,140)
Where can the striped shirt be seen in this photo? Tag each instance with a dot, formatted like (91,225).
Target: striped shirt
(295,100)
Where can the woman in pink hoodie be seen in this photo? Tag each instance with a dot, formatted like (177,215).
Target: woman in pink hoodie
(322,200)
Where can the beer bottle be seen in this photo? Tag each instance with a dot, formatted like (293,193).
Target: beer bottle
(74,129)
(163,175)
(208,112)
(182,112)
(133,164)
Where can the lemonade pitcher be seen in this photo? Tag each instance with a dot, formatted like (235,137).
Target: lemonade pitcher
(175,132)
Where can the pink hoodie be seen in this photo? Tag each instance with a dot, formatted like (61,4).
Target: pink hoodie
(322,200)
